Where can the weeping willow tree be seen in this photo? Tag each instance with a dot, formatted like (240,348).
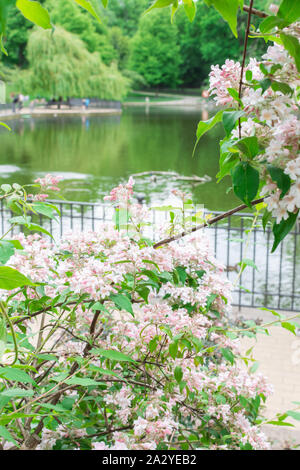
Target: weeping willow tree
(60,65)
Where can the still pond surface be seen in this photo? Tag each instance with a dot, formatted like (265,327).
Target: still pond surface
(95,153)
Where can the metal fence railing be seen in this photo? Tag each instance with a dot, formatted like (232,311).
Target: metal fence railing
(273,281)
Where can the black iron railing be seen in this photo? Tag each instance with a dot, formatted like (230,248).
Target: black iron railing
(273,281)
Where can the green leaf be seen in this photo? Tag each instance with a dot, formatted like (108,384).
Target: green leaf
(3,123)
(205,126)
(18,375)
(103,371)
(113,355)
(143,292)
(289,10)
(35,13)
(122,302)
(248,146)
(265,83)
(49,406)
(254,367)
(294,414)
(4,9)
(230,118)
(104,3)
(289,326)
(235,95)
(89,7)
(228,9)
(291,44)
(245,182)
(247,262)
(249,75)
(280,423)
(11,279)
(46,357)
(282,229)
(160,4)
(190,9)
(16,392)
(200,273)
(68,403)
(44,209)
(178,374)
(6,188)
(267,216)
(220,399)
(173,349)
(282,180)
(100,307)
(210,299)
(6,435)
(182,274)
(20,220)
(227,353)
(81,381)
(282,87)
(174,10)
(227,162)
(16,244)
(38,228)
(6,251)
(271,22)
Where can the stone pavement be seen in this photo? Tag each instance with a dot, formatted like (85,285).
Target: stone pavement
(279,359)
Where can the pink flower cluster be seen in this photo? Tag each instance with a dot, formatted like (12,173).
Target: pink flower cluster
(121,194)
(49,182)
(222,78)
(99,265)
(271,116)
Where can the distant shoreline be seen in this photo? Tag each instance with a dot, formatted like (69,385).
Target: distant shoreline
(8,114)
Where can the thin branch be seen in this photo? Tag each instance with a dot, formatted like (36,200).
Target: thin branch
(256,12)
(98,434)
(68,331)
(244,60)
(33,439)
(47,309)
(207,223)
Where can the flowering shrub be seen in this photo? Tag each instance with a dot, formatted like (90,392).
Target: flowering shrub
(107,342)
(261,121)
(269,124)
(120,345)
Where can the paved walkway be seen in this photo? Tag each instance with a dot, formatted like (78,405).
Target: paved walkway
(279,359)
(182,101)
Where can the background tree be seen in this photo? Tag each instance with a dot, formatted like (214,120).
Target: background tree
(155,52)
(126,14)
(160,54)
(121,45)
(61,65)
(208,40)
(16,38)
(74,19)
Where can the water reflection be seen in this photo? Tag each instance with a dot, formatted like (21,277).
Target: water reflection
(107,149)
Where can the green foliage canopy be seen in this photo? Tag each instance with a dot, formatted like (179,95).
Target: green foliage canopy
(60,65)
(155,53)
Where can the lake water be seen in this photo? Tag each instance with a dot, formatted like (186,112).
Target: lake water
(95,153)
